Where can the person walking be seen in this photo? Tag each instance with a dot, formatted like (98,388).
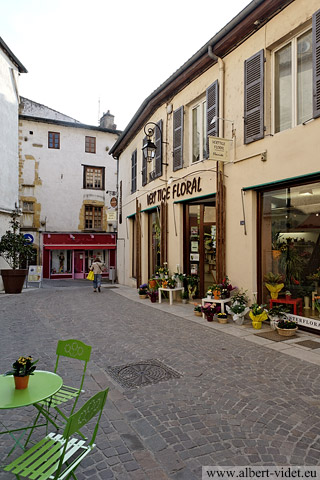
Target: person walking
(96,268)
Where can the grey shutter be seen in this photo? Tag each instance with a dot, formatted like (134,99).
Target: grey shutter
(134,172)
(144,166)
(178,139)
(212,95)
(158,157)
(254,98)
(316,63)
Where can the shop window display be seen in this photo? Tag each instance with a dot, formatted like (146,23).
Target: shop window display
(61,261)
(290,241)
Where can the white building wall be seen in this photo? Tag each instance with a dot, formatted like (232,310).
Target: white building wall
(9,102)
(53,178)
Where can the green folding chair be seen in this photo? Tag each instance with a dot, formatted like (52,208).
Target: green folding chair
(72,349)
(57,456)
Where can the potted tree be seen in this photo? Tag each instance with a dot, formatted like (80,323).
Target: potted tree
(16,251)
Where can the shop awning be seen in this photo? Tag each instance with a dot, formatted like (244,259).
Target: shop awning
(304,178)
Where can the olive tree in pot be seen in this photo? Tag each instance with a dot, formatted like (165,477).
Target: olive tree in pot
(16,251)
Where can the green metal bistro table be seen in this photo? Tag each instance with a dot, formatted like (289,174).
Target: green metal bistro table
(41,386)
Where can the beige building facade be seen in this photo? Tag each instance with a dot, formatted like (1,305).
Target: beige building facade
(256,83)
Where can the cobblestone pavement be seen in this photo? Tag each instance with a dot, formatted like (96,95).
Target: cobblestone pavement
(236,403)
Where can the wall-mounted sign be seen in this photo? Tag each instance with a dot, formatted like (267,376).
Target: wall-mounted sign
(194,269)
(113,202)
(195,257)
(112,216)
(175,190)
(219,148)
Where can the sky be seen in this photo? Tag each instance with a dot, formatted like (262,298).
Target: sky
(87,57)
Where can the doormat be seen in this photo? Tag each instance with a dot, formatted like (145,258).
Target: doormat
(143,373)
(309,344)
(274,336)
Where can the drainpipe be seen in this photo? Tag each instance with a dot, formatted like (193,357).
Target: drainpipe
(221,88)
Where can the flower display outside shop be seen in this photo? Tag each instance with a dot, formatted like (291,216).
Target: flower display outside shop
(258,314)
(238,307)
(274,282)
(209,310)
(317,303)
(287,324)
(143,289)
(22,367)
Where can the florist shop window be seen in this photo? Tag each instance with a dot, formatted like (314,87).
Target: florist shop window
(290,243)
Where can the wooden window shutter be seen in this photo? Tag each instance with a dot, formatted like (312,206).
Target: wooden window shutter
(316,62)
(158,157)
(212,95)
(134,172)
(178,139)
(254,98)
(144,166)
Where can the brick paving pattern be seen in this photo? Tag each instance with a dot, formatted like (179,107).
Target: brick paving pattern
(236,403)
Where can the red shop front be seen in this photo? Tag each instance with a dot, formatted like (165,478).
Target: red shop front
(70,255)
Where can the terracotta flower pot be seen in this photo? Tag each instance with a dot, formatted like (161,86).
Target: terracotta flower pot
(21,382)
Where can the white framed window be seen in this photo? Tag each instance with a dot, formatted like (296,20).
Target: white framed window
(198,129)
(292,87)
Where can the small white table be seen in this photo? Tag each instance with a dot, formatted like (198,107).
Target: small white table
(222,302)
(170,290)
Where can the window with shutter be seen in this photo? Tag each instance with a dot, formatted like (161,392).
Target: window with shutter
(134,172)
(316,63)
(254,98)
(178,139)
(158,157)
(144,165)
(212,95)
(293,65)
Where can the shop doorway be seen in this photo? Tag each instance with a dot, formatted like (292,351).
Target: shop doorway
(200,242)
(79,264)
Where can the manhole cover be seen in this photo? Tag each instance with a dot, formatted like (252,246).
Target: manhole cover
(309,344)
(142,373)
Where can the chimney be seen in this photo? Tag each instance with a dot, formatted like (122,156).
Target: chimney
(107,121)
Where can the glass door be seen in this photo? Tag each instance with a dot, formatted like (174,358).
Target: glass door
(79,264)
(200,243)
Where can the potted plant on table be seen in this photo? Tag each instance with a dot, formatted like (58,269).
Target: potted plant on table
(171,283)
(238,307)
(21,369)
(274,283)
(16,251)
(179,277)
(287,328)
(143,290)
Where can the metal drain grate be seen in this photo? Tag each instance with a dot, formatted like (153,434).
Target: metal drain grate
(143,373)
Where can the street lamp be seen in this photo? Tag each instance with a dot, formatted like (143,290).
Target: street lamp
(149,148)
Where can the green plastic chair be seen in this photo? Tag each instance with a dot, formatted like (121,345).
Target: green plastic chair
(57,456)
(72,349)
